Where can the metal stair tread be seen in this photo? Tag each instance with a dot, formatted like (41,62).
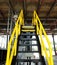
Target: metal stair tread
(25,39)
(28,30)
(27,44)
(28,60)
(25,34)
(28,27)
(28,51)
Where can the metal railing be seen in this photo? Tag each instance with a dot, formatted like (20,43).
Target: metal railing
(12,46)
(40,31)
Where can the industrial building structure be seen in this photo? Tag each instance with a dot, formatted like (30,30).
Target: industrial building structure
(28,32)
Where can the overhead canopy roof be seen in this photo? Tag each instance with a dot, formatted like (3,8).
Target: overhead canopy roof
(46,9)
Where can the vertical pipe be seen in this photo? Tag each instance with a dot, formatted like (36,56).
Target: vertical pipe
(54,43)
(11,24)
(8,26)
(27,59)
(36,63)
(30,61)
(7,34)
(24,9)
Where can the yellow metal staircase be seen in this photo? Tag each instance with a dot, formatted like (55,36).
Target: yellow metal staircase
(21,29)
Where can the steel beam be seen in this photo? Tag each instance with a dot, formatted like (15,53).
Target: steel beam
(3,23)
(51,8)
(44,19)
(41,18)
(24,8)
(11,6)
(49,32)
(2,15)
(54,43)
(39,5)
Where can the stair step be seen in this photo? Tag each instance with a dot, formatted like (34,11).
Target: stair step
(27,44)
(28,30)
(26,39)
(28,51)
(28,60)
(25,34)
(28,27)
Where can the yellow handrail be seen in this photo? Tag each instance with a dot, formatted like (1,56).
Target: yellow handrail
(40,30)
(15,33)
